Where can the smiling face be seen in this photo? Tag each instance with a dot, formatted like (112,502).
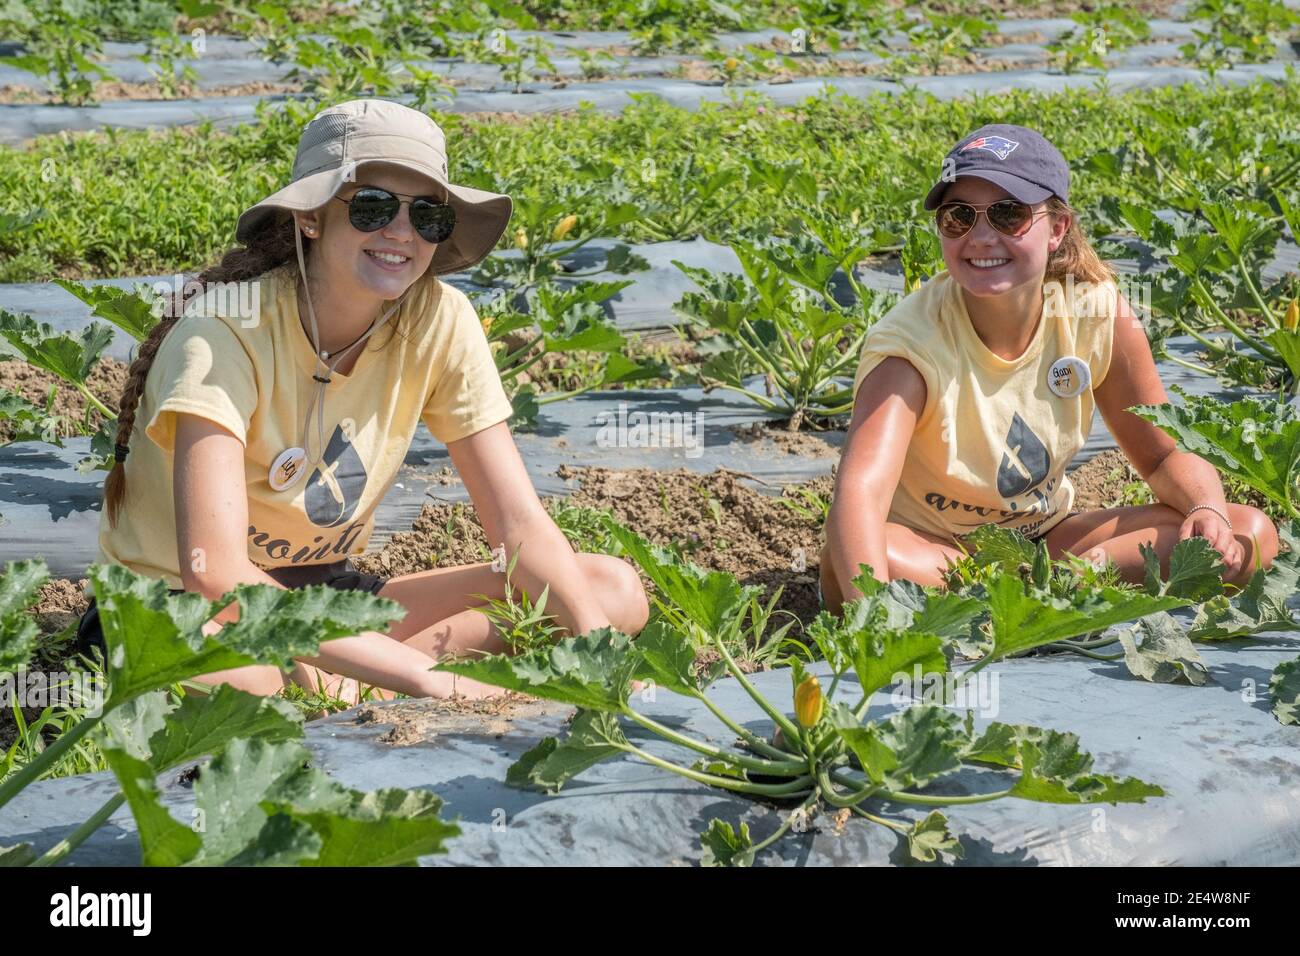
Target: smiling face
(383,263)
(987,263)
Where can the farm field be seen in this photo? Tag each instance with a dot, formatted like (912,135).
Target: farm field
(712,207)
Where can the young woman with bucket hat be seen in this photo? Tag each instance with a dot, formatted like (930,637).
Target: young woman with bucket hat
(256,449)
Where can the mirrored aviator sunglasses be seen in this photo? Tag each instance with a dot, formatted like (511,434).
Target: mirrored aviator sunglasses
(372,208)
(1011,217)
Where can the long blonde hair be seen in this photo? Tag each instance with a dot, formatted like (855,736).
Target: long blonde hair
(1075,255)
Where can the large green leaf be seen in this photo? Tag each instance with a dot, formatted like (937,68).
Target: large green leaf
(1054,770)
(154,638)
(945,613)
(594,736)
(705,598)
(668,657)
(163,840)
(235,797)
(910,749)
(127,310)
(1284,689)
(70,358)
(29,422)
(1259,606)
(1287,344)
(388,827)
(1195,571)
(1165,655)
(592,670)
(1023,621)
(880,658)
(1254,441)
(153,727)
(20,586)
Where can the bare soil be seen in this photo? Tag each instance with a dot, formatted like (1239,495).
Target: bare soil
(715,520)
(776,435)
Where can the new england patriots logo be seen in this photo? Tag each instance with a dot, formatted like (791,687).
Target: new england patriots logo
(999,146)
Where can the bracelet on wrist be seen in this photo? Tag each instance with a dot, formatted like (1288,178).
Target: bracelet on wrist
(1209,508)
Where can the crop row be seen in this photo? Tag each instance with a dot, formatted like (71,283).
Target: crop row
(121,203)
(258,800)
(390,49)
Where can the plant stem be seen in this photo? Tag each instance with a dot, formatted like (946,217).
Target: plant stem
(881,820)
(1261,347)
(758,764)
(104,409)
(788,728)
(46,759)
(754,740)
(1192,366)
(1076,649)
(78,836)
(936,801)
(789,821)
(561,396)
(796,787)
(1255,294)
(835,798)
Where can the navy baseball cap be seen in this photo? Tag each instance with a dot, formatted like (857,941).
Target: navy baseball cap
(1016,158)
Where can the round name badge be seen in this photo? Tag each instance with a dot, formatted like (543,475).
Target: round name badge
(1069,377)
(287,468)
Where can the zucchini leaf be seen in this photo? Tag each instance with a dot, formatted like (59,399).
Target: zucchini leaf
(592,670)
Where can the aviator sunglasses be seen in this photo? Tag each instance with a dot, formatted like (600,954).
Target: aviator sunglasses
(1011,217)
(372,208)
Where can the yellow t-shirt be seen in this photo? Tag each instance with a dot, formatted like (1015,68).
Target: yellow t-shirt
(994,439)
(257,382)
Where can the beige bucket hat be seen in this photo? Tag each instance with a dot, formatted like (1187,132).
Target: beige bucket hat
(340,138)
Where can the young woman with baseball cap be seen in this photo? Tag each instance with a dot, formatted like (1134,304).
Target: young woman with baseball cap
(265,445)
(976,391)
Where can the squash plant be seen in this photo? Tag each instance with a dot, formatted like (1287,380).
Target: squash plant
(782,321)
(1156,647)
(569,321)
(257,799)
(1225,204)
(71,358)
(828,753)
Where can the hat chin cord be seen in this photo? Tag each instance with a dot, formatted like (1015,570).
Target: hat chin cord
(317,403)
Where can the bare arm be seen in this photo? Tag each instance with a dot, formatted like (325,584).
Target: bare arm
(511,514)
(1178,479)
(886,409)
(211,501)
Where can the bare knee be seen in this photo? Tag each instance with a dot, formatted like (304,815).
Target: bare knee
(1259,532)
(620,592)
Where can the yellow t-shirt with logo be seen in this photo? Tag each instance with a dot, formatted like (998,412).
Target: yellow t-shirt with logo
(257,382)
(992,444)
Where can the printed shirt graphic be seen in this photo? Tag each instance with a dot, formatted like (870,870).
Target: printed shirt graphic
(257,382)
(993,441)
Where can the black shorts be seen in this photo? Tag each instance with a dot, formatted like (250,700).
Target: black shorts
(340,574)
(1043,534)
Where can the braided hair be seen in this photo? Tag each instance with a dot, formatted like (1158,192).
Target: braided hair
(271,246)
